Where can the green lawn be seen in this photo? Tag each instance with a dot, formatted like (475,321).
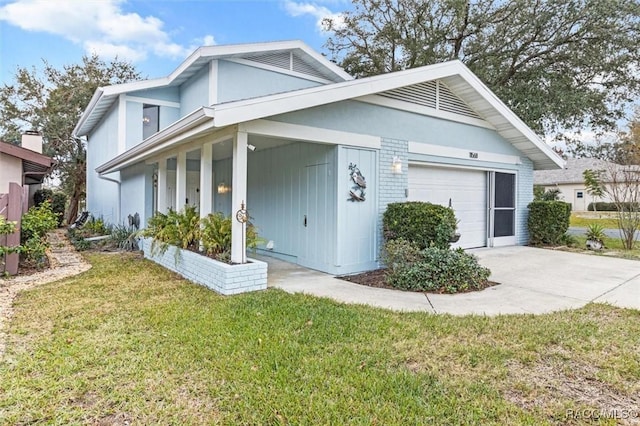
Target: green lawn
(128,342)
(583,222)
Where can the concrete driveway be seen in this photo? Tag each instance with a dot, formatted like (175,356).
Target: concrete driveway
(531,281)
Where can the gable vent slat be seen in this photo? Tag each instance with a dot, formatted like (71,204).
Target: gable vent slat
(451,103)
(433,94)
(302,67)
(289,62)
(421,94)
(275,59)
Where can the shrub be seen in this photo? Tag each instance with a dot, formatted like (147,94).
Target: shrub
(58,205)
(38,221)
(569,240)
(186,230)
(124,237)
(216,236)
(611,207)
(397,253)
(540,194)
(439,270)
(180,229)
(548,222)
(77,239)
(35,225)
(42,195)
(424,224)
(34,251)
(6,228)
(595,232)
(96,227)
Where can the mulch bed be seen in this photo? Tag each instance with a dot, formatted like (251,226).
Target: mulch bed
(377,279)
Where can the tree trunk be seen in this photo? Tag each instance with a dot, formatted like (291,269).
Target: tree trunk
(78,193)
(72,213)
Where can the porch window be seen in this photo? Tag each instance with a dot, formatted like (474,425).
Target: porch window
(150,120)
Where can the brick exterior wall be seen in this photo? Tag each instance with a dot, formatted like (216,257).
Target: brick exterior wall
(220,277)
(392,186)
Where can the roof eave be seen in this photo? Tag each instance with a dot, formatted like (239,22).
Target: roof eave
(26,155)
(78,130)
(201,52)
(512,118)
(145,149)
(280,103)
(250,109)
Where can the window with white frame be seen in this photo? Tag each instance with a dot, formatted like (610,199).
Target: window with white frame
(150,120)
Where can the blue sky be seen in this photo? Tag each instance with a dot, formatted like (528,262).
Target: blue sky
(156,35)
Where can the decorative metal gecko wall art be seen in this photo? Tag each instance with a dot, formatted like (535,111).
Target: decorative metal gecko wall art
(356,194)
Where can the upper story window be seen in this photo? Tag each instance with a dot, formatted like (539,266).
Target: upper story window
(150,120)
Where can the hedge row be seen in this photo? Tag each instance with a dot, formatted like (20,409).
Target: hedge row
(548,222)
(611,207)
(424,224)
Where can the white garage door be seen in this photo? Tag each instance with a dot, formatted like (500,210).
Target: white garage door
(466,190)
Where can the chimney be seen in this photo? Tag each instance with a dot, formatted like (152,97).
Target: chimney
(32,140)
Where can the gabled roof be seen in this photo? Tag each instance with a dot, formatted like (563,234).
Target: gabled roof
(303,58)
(459,79)
(35,166)
(572,173)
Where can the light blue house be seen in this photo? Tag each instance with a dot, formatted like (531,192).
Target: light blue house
(315,154)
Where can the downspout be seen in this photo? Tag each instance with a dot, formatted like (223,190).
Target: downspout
(118,182)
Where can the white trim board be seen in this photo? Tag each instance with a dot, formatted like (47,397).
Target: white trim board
(222,135)
(213,82)
(482,167)
(462,154)
(423,110)
(151,101)
(311,134)
(122,124)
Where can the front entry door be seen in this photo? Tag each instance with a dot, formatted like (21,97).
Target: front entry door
(315,205)
(503,206)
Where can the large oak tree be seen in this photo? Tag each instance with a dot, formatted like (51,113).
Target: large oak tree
(51,102)
(559,64)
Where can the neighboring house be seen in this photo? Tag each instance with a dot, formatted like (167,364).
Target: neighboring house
(24,165)
(279,127)
(570,181)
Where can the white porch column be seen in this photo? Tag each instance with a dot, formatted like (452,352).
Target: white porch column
(206,179)
(238,195)
(181,180)
(162,185)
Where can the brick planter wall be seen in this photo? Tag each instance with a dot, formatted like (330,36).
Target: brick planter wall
(218,276)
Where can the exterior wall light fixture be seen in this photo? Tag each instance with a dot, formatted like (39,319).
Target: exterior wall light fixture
(223,188)
(396,166)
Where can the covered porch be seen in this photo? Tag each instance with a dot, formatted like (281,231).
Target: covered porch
(289,178)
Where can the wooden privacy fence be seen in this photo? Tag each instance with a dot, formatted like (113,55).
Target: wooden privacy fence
(12,206)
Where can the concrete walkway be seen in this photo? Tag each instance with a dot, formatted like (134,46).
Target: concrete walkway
(64,262)
(531,281)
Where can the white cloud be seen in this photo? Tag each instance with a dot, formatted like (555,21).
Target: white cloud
(101,27)
(208,40)
(110,50)
(321,13)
